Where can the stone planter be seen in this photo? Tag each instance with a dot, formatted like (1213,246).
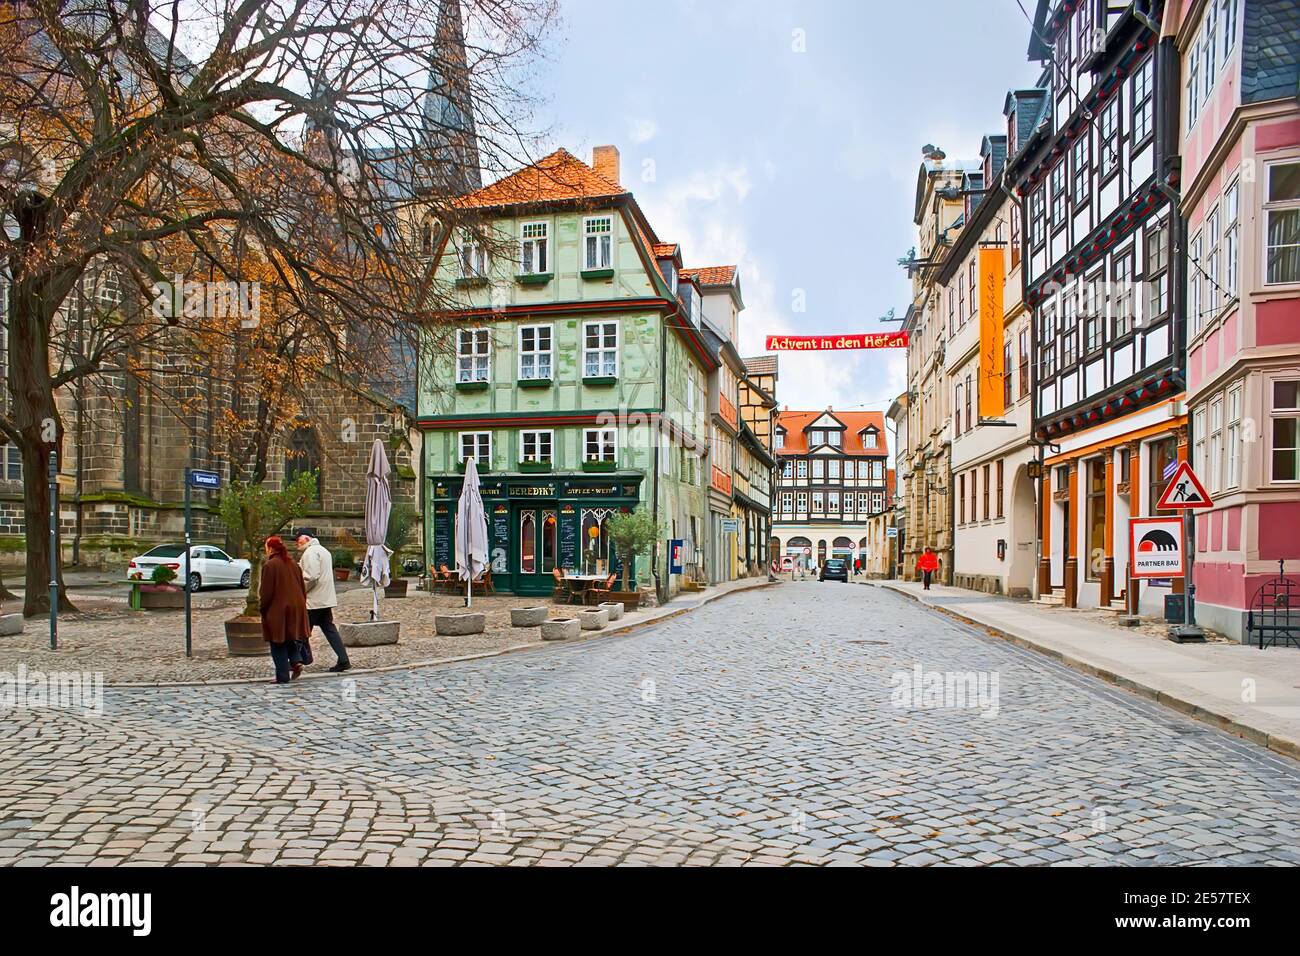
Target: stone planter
(458,625)
(244,637)
(593,619)
(615,609)
(10,624)
(560,629)
(369,633)
(396,588)
(528,616)
(631,600)
(161,597)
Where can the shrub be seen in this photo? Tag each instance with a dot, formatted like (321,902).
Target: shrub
(162,575)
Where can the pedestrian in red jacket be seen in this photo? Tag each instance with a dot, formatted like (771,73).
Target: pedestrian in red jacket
(927,564)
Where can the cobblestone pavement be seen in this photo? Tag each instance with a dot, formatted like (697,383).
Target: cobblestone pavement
(759,729)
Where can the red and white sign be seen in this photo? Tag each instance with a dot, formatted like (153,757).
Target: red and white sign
(1155,547)
(1185,491)
(816,343)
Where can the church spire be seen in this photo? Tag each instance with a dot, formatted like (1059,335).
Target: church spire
(448,111)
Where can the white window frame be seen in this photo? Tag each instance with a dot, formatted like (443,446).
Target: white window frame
(802,469)
(1232,238)
(587,246)
(535,250)
(833,469)
(1215,448)
(869,440)
(537,353)
(787,502)
(1195,301)
(1281,205)
(833,502)
(818,503)
(1232,413)
(864,502)
(1213,237)
(801,502)
(819,469)
(1275,414)
(877,502)
(607,441)
(787,470)
(603,350)
(480,360)
(778,442)
(482,446)
(537,436)
(473,256)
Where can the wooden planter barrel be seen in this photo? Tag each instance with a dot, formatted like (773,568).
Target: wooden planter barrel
(244,637)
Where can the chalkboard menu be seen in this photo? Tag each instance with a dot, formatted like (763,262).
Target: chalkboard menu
(442,546)
(500,539)
(568,551)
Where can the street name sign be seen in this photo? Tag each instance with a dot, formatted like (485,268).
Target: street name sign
(205,479)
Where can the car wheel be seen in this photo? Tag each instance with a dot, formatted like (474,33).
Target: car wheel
(195,581)
(246,579)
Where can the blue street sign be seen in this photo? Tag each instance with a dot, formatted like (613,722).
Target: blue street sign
(205,479)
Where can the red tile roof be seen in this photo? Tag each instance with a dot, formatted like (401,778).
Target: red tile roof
(559,176)
(796,439)
(665,250)
(712,275)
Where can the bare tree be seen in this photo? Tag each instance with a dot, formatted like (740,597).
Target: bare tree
(314,143)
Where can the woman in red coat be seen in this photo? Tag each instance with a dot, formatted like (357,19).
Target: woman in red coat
(283,606)
(927,564)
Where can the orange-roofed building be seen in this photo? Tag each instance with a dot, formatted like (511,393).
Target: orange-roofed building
(831,479)
(577,378)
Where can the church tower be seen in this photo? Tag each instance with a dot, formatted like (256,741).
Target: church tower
(448,112)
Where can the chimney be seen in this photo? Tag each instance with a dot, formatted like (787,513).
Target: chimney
(604,160)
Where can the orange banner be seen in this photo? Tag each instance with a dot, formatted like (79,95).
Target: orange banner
(992,281)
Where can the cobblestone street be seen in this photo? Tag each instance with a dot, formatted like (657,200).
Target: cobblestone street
(758,729)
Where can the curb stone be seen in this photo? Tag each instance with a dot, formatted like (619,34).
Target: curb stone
(1277,743)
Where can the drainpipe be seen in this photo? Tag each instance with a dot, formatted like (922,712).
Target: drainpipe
(654,508)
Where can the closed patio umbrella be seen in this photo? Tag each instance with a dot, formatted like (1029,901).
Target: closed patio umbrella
(374,570)
(471,531)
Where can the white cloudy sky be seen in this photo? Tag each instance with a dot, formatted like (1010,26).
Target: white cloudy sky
(800,167)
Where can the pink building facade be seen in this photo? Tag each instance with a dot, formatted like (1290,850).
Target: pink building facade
(1240,146)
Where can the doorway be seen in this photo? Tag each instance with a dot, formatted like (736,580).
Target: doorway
(535,542)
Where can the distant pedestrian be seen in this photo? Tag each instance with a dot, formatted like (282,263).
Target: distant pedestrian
(927,564)
(318,574)
(283,606)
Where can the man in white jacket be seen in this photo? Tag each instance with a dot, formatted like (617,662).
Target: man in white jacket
(318,574)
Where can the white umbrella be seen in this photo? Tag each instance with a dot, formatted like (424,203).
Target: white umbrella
(374,570)
(471,531)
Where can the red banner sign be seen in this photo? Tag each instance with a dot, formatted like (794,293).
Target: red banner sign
(813,343)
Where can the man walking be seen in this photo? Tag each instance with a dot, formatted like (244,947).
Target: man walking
(318,574)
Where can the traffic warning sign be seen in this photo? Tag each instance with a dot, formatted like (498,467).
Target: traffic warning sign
(1184,491)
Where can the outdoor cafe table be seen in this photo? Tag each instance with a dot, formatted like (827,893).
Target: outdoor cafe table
(586,581)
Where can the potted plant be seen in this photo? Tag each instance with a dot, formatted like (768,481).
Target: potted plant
(401,528)
(342,560)
(161,594)
(630,534)
(252,513)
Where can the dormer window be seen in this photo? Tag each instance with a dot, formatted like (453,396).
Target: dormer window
(816,438)
(598,243)
(835,438)
(780,441)
(869,438)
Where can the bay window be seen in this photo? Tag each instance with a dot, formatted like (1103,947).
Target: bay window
(1284,416)
(1282,223)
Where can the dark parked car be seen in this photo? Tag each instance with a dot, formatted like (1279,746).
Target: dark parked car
(835,568)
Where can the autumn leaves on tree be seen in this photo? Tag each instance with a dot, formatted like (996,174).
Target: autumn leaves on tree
(234,190)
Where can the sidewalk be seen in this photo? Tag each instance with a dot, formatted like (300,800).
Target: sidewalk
(1238,688)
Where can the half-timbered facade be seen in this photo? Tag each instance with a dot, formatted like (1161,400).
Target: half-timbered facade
(1093,155)
(831,478)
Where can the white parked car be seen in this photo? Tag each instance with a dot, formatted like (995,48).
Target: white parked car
(208,565)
